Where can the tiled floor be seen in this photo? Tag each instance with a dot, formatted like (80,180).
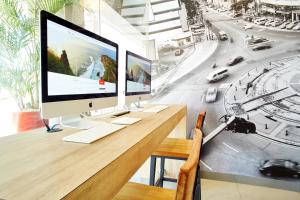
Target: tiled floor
(220,190)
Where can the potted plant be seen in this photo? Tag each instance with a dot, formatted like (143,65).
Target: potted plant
(20,55)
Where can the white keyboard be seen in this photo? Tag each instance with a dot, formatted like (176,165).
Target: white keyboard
(95,133)
(156,109)
(126,120)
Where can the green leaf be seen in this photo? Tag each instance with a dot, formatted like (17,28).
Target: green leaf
(20,48)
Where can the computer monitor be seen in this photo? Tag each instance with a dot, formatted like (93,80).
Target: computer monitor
(138,78)
(79,69)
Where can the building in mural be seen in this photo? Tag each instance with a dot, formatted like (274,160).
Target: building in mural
(256,77)
(165,25)
(158,20)
(286,9)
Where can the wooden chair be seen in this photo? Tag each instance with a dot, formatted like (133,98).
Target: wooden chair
(186,180)
(172,148)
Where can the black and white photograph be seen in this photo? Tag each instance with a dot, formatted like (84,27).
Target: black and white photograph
(250,80)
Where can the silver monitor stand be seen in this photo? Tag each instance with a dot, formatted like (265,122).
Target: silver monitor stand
(78,121)
(136,100)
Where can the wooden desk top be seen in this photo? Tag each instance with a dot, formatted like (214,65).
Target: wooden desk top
(39,165)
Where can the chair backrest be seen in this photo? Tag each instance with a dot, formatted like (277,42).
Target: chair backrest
(200,120)
(187,174)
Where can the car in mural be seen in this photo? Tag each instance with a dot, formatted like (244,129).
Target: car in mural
(214,65)
(251,40)
(297,27)
(211,94)
(247,26)
(260,21)
(223,35)
(217,74)
(178,52)
(269,22)
(261,47)
(235,60)
(283,25)
(291,25)
(240,125)
(237,14)
(276,23)
(259,40)
(221,10)
(248,18)
(280,167)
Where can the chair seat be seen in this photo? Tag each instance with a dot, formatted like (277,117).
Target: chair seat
(174,147)
(136,191)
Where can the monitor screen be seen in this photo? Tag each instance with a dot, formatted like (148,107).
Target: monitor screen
(76,63)
(138,75)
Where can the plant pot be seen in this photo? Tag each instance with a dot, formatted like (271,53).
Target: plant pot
(27,120)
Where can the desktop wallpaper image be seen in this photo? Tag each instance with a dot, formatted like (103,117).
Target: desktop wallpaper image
(138,71)
(138,75)
(78,63)
(76,57)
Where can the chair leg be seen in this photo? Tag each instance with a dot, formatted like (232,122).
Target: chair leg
(162,171)
(199,179)
(197,189)
(152,170)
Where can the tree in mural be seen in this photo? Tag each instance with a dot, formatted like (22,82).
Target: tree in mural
(239,5)
(191,7)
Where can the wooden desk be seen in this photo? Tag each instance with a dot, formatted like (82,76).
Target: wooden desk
(39,165)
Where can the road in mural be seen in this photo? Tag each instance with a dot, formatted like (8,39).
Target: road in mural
(262,86)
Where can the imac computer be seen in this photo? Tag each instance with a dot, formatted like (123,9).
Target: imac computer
(138,79)
(79,69)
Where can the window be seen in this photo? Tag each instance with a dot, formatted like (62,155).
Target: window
(222,72)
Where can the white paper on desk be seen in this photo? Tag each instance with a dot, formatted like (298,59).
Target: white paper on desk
(95,133)
(126,120)
(156,109)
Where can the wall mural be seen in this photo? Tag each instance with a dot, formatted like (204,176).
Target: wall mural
(241,65)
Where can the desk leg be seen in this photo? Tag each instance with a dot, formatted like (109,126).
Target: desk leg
(162,170)
(152,170)
(172,167)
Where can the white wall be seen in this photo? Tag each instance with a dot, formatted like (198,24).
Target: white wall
(117,29)
(281,2)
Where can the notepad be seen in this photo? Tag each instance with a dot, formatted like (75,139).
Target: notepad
(156,109)
(126,120)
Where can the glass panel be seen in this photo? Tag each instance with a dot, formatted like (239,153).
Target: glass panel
(187,41)
(20,60)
